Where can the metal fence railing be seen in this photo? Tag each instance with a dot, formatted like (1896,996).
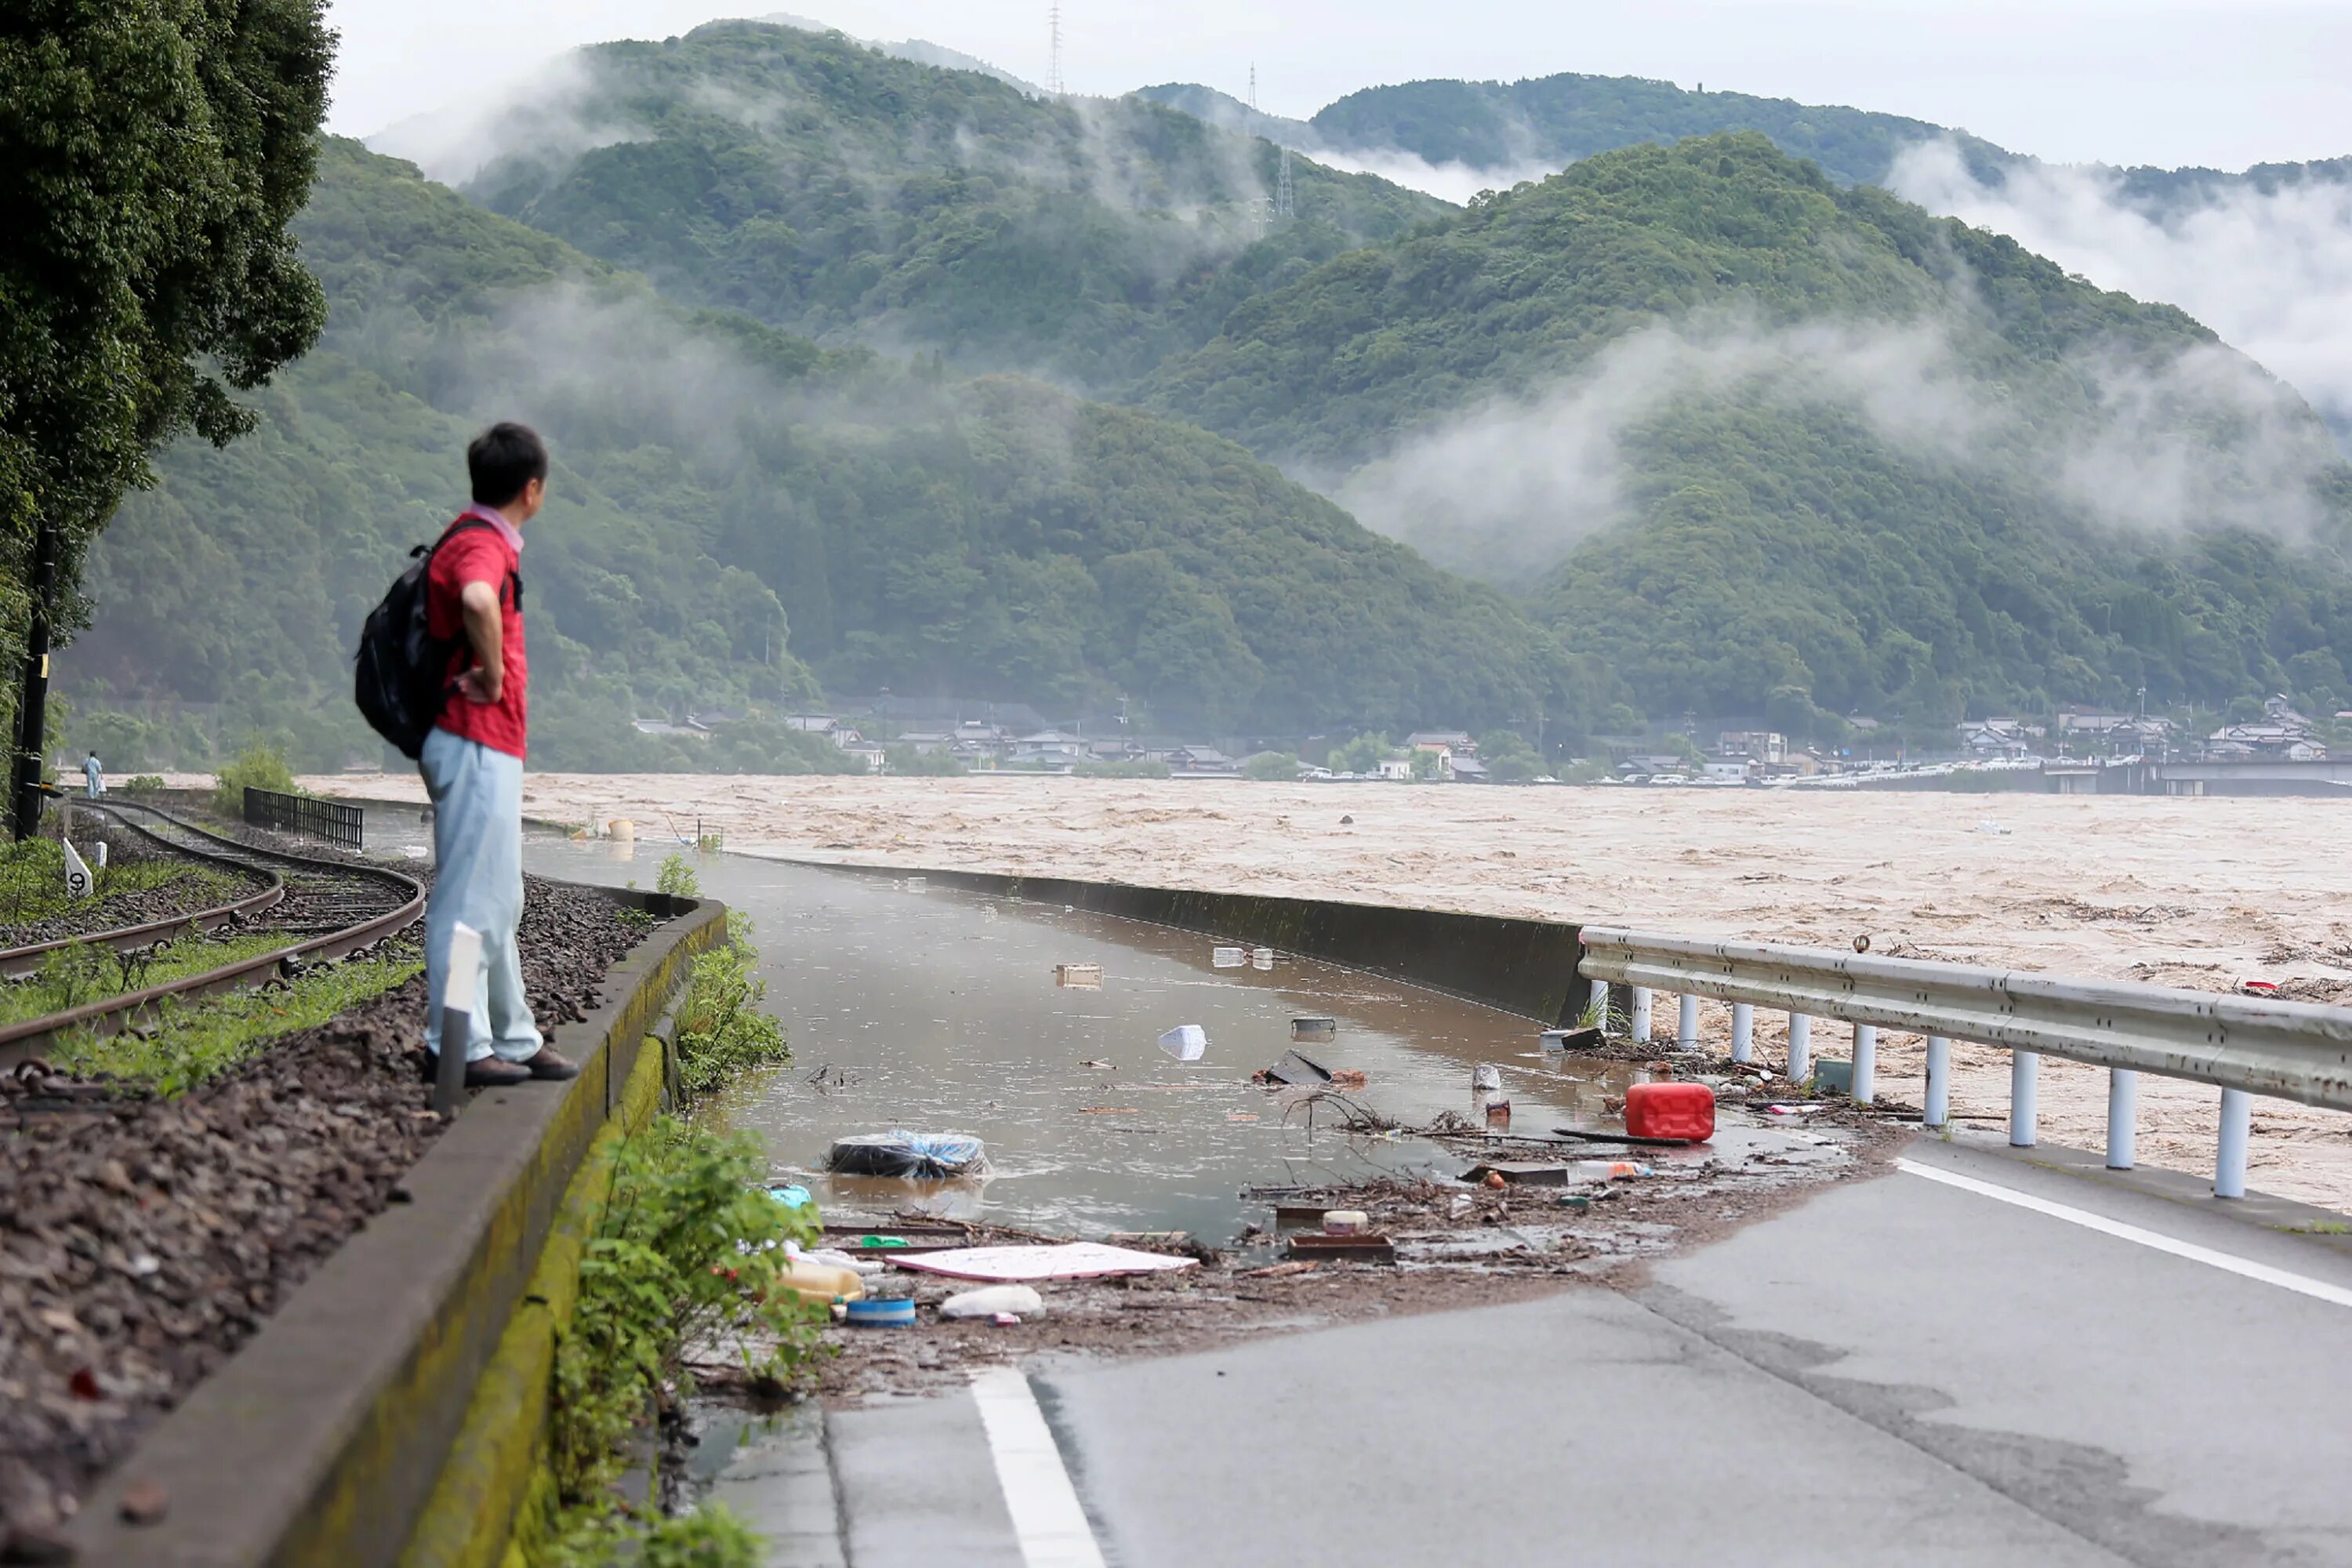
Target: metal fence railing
(329,819)
(2244,1046)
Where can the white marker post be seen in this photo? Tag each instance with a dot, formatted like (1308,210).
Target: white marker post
(458,984)
(76,874)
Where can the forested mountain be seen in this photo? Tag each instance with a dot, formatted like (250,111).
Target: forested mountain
(846,195)
(1776,435)
(1546,123)
(929,533)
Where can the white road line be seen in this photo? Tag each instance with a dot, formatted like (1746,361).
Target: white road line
(1046,1516)
(2302,1284)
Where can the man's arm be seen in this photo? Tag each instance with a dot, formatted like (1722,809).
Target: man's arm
(487,635)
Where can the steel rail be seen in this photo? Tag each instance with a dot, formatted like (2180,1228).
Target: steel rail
(15,962)
(107,1016)
(2287,1050)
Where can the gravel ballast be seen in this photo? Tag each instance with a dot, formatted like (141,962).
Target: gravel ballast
(143,1240)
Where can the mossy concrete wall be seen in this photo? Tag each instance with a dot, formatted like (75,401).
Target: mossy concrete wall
(327,1439)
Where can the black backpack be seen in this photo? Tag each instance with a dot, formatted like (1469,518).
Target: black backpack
(403,680)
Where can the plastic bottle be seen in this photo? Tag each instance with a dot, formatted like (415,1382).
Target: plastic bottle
(1609,1170)
(819,1281)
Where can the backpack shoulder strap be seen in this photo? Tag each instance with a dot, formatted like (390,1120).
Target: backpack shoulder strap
(512,589)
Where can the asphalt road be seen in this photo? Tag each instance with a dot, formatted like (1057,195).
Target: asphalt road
(1900,1371)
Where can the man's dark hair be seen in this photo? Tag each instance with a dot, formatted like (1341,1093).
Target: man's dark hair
(502,459)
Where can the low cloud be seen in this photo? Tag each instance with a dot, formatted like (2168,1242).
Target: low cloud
(2271,272)
(557,117)
(1456,183)
(1508,490)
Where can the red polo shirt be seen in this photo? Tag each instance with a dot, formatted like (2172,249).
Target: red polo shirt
(492,555)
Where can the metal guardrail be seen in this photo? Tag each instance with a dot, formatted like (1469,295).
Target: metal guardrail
(2243,1045)
(328,819)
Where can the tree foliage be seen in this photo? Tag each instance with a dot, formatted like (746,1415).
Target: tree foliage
(151,154)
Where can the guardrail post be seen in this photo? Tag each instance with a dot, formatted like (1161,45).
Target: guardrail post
(2122,1117)
(2237,1126)
(1800,1047)
(1743,1031)
(1686,1023)
(2024,1075)
(1865,1063)
(1937,1110)
(1640,1026)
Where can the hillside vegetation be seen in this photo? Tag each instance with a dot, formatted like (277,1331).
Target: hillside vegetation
(1770,434)
(847,195)
(992,537)
(1552,121)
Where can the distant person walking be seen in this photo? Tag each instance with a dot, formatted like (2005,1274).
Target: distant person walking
(93,777)
(472,761)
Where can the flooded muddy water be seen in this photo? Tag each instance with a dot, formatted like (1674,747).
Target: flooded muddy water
(912,1004)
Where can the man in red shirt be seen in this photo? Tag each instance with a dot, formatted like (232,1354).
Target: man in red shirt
(472,761)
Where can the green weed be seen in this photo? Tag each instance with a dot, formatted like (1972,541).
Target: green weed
(689,1246)
(184,1044)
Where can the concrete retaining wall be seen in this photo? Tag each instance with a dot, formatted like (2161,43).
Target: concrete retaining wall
(325,1438)
(1528,967)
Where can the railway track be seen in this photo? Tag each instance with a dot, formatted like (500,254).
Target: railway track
(324,908)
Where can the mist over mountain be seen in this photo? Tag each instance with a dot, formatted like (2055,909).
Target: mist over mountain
(850,196)
(1728,430)
(737,514)
(1766,434)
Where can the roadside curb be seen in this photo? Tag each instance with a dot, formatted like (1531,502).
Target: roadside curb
(324,1438)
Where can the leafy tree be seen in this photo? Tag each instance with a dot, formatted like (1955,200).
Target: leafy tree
(1363,754)
(1272,767)
(151,155)
(1508,756)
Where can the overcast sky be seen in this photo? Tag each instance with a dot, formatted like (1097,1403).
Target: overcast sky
(2155,81)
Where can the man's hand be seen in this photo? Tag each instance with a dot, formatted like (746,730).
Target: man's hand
(477,686)
(488,679)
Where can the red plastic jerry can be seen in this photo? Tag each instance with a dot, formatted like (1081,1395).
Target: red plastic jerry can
(1670,1110)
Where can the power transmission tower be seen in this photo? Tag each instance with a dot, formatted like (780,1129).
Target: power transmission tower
(1284,207)
(1253,87)
(1054,60)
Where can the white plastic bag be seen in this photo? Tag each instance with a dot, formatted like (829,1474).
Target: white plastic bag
(994,1301)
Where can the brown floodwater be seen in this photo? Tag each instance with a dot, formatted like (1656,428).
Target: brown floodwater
(912,1004)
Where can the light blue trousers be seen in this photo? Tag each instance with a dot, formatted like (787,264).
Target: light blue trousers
(478,878)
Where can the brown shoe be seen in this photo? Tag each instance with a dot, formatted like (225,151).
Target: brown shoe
(547,1064)
(496,1072)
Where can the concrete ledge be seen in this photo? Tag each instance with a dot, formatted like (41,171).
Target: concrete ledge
(1522,966)
(322,1439)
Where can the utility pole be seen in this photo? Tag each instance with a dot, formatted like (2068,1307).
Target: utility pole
(33,708)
